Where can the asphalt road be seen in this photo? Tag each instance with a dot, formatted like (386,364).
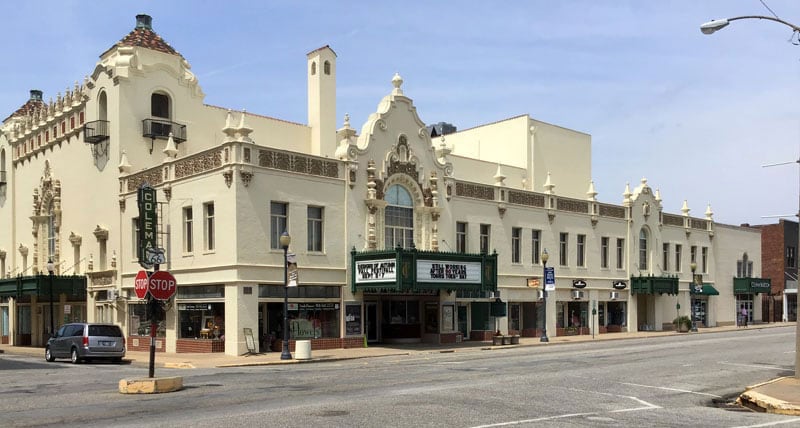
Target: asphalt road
(673,381)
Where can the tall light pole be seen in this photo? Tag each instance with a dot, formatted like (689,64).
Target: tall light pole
(50,268)
(718,24)
(285,240)
(692,284)
(545,257)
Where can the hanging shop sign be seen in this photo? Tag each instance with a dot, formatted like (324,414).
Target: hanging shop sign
(148,223)
(619,285)
(578,283)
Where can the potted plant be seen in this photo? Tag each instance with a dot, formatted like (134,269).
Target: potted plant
(682,323)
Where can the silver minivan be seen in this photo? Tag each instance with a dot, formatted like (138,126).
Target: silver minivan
(85,341)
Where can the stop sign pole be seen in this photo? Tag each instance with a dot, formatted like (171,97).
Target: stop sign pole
(154,307)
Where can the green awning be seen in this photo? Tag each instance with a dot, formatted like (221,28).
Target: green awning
(654,285)
(707,290)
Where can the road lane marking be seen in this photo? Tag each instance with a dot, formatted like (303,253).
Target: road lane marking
(770,424)
(756,366)
(686,391)
(647,406)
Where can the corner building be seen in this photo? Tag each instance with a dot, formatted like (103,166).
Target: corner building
(401,232)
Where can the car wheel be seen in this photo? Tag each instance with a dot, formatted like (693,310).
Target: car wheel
(74,356)
(48,356)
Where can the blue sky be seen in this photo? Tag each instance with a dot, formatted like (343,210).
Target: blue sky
(696,115)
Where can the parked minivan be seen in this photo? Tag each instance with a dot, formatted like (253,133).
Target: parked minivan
(85,341)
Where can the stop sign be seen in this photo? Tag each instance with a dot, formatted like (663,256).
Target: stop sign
(140,284)
(162,285)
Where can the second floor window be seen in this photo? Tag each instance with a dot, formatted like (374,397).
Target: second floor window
(315,229)
(790,257)
(563,247)
(278,222)
(744,267)
(643,249)
(620,253)
(665,256)
(399,218)
(461,237)
(485,238)
(536,246)
(187,230)
(693,254)
(604,252)
(678,255)
(516,244)
(208,212)
(704,259)
(581,260)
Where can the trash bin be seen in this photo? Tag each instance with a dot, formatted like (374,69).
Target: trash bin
(302,350)
(515,339)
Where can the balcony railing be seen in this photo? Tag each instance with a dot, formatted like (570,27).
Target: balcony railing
(160,128)
(3,178)
(95,132)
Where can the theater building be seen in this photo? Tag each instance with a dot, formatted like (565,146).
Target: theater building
(402,232)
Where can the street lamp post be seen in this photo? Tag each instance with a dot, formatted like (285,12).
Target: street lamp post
(285,240)
(718,24)
(50,268)
(692,284)
(545,257)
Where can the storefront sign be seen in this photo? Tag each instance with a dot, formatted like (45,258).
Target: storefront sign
(375,271)
(454,272)
(194,307)
(619,285)
(352,319)
(579,283)
(318,306)
(760,286)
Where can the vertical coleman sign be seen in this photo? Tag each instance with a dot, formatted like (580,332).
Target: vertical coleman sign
(148,222)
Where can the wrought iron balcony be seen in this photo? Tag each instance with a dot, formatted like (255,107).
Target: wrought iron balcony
(160,128)
(95,132)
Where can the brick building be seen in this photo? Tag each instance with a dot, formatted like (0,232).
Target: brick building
(779,262)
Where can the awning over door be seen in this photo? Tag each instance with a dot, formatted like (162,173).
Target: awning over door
(654,285)
(707,290)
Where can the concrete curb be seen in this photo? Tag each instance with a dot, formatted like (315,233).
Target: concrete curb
(156,385)
(767,404)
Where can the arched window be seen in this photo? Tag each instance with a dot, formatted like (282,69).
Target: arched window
(159,106)
(399,218)
(2,173)
(327,67)
(313,68)
(102,106)
(643,249)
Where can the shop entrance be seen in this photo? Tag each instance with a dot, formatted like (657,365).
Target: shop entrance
(371,321)
(700,307)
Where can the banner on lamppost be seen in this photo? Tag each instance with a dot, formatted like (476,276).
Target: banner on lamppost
(291,260)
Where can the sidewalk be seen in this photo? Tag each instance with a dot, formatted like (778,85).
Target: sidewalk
(780,395)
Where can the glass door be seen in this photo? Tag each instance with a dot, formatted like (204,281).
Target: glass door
(462,321)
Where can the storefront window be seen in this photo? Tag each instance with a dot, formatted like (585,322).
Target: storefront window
(313,320)
(616,313)
(201,320)
(139,322)
(513,316)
